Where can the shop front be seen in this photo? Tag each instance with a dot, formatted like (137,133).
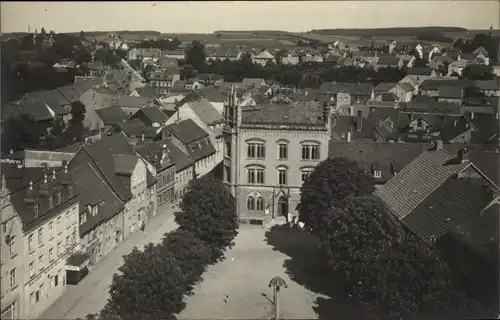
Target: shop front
(77,267)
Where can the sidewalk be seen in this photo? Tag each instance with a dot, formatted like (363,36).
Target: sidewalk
(91,294)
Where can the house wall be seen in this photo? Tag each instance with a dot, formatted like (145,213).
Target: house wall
(93,101)
(271,163)
(464,137)
(49,255)
(99,241)
(205,165)
(182,178)
(165,188)
(135,209)
(11,261)
(413,126)
(343,98)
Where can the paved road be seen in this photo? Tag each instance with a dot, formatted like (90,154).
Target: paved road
(91,294)
(137,79)
(244,278)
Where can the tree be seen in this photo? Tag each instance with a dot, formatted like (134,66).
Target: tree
(195,56)
(21,131)
(75,126)
(58,127)
(150,285)
(209,211)
(388,270)
(331,182)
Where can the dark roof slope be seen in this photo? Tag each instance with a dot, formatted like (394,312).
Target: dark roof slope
(391,158)
(187,131)
(111,115)
(154,114)
(94,190)
(419,179)
(353,88)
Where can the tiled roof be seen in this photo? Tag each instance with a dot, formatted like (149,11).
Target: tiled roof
(152,152)
(136,128)
(94,190)
(253,82)
(385,86)
(212,94)
(111,115)
(200,148)
(147,92)
(187,131)
(154,114)
(452,92)
(74,91)
(298,113)
(418,180)
(125,164)
(102,158)
(39,111)
(426,104)
(46,95)
(18,181)
(202,108)
(131,102)
(390,157)
(453,202)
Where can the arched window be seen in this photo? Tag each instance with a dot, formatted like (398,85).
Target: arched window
(251,203)
(260,204)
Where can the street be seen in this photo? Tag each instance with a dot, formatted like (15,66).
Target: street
(91,294)
(137,79)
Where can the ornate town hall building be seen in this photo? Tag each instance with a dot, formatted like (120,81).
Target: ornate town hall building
(269,151)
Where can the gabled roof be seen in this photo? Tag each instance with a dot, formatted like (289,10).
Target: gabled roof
(111,115)
(255,82)
(39,111)
(187,131)
(45,96)
(131,102)
(125,164)
(212,94)
(202,108)
(388,61)
(74,91)
(391,158)
(147,92)
(385,86)
(418,180)
(154,114)
(93,189)
(264,55)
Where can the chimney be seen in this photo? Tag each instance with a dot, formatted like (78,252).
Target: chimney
(305,93)
(472,115)
(142,137)
(164,154)
(359,124)
(439,144)
(349,136)
(462,155)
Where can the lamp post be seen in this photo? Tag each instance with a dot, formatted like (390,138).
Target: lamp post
(276,283)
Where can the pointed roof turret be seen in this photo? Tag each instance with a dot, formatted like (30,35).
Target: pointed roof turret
(29,197)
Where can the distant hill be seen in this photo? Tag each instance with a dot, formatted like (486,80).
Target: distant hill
(388,32)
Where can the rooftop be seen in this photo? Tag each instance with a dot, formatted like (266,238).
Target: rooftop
(296,113)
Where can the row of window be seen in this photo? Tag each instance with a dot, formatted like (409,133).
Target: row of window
(168,196)
(40,232)
(35,296)
(255,203)
(60,250)
(258,151)
(256,175)
(166,178)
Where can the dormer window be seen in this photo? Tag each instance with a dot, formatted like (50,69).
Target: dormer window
(36,209)
(94,210)
(377,173)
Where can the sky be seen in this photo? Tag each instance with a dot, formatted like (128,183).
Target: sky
(209,16)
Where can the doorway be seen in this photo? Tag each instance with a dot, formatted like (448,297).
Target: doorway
(283,206)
